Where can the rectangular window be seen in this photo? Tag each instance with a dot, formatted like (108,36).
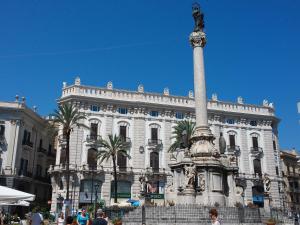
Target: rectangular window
(123,131)
(24,137)
(94,130)
(230,121)
(41,143)
(179,115)
(123,110)
(154,133)
(95,108)
(274,145)
(2,130)
(255,142)
(277,171)
(253,123)
(49,149)
(154,113)
(232,140)
(38,170)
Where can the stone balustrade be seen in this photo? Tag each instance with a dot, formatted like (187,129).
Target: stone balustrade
(160,99)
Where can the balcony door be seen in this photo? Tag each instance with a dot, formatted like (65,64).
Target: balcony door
(255,142)
(257,167)
(154,134)
(121,161)
(123,132)
(232,140)
(154,161)
(94,131)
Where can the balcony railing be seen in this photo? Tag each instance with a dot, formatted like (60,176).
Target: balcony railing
(28,143)
(88,197)
(127,140)
(43,150)
(154,142)
(233,148)
(256,150)
(93,138)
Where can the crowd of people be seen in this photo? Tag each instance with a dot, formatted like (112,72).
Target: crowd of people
(82,218)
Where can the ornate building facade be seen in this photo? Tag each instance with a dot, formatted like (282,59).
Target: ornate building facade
(146,122)
(291,179)
(26,151)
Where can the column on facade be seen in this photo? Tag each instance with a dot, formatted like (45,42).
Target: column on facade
(139,151)
(245,162)
(12,150)
(269,161)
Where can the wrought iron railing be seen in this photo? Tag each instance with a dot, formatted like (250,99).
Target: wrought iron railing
(154,142)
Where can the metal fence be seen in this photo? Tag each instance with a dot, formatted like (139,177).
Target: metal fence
(196,214)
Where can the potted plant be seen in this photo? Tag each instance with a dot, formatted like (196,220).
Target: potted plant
(117,221)
(271,221)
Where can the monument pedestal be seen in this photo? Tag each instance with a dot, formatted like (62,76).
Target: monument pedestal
(187,196)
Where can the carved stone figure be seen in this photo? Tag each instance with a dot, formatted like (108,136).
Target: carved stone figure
(143,182)
(222,144)
(198,17)
(190,177)
(201,181)
(267,183)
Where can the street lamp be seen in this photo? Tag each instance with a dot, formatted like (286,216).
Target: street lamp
(96,197)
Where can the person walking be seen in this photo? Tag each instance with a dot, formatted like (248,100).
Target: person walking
(213,215)
(36,217)
(100,220)
(69,220)
(83,218)
(61,219)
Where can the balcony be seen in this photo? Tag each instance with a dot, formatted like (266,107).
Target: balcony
(27,144)
(154,142)
(256,150)
(42,150)
(233,149)
(93,139)
(88,197)
(127,141)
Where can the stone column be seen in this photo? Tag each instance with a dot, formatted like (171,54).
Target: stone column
(198,41)
(202,137)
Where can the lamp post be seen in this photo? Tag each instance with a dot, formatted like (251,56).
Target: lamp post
(96,198)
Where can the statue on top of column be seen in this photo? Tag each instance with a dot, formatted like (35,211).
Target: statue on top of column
(198,17)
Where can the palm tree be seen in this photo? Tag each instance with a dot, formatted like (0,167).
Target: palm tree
(182,133)
(68,117)
(110,150)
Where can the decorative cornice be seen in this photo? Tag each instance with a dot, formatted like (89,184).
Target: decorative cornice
(198,39)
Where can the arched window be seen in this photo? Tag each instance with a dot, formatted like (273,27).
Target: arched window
(92,158)
(154,161)
(124,130)
(94,129)
(257,167)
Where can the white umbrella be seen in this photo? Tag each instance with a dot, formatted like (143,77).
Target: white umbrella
(11,195)
(20,203)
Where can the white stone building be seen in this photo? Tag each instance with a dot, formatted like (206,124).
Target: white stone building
(146,121)
(26,151)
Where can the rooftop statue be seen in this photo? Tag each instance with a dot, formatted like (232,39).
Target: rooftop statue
(198,17)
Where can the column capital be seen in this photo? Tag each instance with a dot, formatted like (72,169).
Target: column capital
(198,39)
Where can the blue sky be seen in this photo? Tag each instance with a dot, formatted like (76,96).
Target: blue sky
(252,50)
